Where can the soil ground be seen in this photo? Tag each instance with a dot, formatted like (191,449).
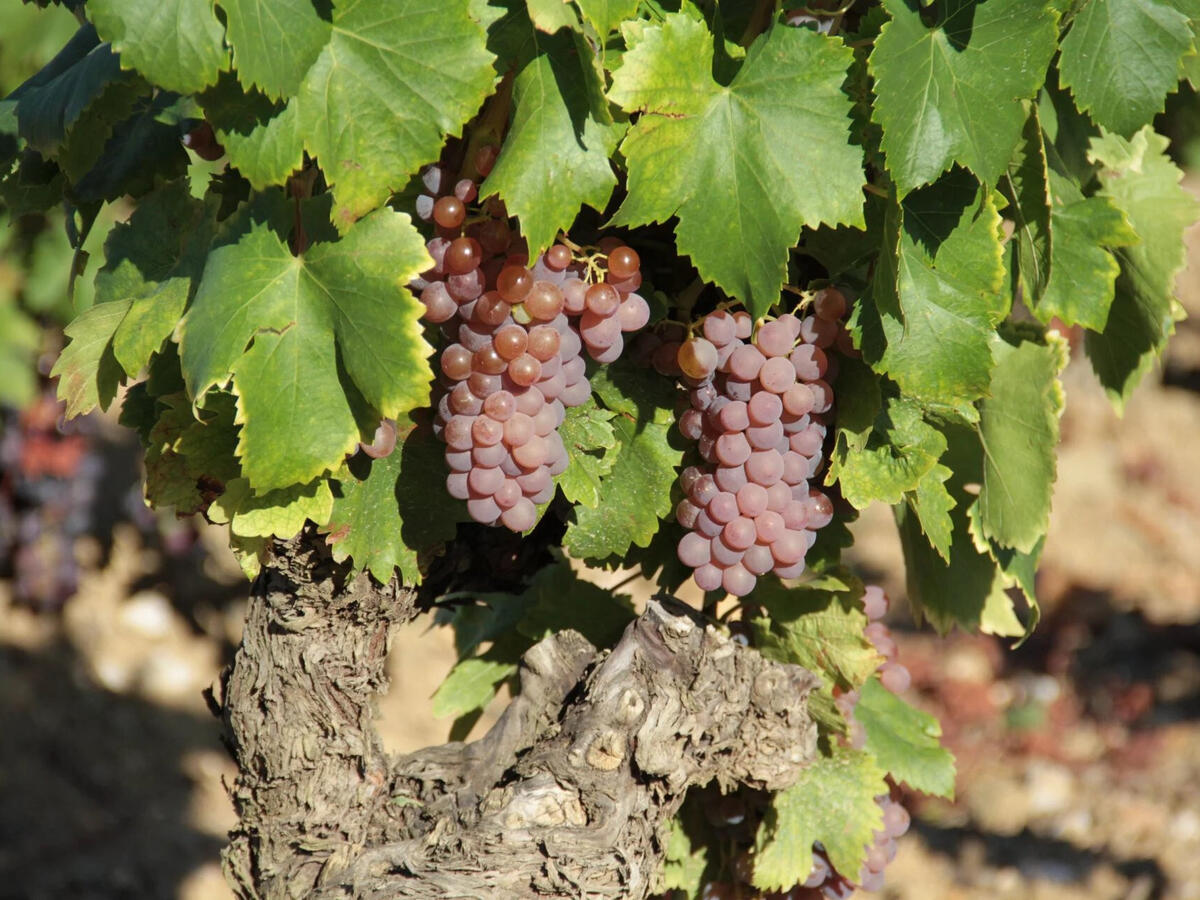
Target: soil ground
(1079,753)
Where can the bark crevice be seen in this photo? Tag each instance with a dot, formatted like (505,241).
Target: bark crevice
(566,796)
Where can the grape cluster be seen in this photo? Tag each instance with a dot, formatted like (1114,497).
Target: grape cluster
(825,883)
(516,332)
(757,415)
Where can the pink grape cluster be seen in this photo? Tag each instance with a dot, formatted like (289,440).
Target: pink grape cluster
(513,360)
(757,415)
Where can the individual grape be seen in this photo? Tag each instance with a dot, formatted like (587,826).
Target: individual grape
(483,509)
(524,370)
(602,299)
(459,460)
(720,328)
(779,495)
(507,495)
(449,212)
(895,677)
(456,362)
(795,514)
(439,305)
(799,400)
(708,577)
(752,499)
(686,512)
(518,430)
(574,296)
(545,421)
(634,312)
(691,424)
(544,300)
(489,456)
(521,516)
(424,207)
(830,304)
(733,449)
(774,339)
(490,310)
(758,560)
(488,361)
(723,508)
(456,485)
(764,467)
(534,481)
(462,402)
(482,384)
(880,637)
(737,580)
(623,262)
(730,478)
(769,526)
(486,431)
(789,548)
(734,416)
(544,343)
(706,526)
(494,236)
(809,362)
(558,257)
(822,396)
(795,469)
(465,288)
(736,389)
(463,255)
(510,341)
(765,437)
(743,324)
(808,442)
(466,191)
(818,332)
(457,433)
(739,533)
(895,820)
(746,362)
(485,482)
(697,358)
(575,394)
(724,555)
(820,510)
(777,375)
(763,408)
(485,159)
(514,283)
(694,550)
(875,602)
(500,406)
(384,441)
(533,453)
(599,331)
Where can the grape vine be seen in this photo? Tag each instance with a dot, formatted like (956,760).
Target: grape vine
(590,273)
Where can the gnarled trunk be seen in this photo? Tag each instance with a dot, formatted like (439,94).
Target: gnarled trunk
(566,796)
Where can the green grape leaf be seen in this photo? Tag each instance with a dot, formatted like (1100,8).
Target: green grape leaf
(683,865)
(472,683)
(88,372)
(280,513)
(1026,185)
(587,432)
(373,107)
(607,15)
(636,492)
(941,297)
(274,42)
(965,586)
(950,93)
(152,263)
(820,628)
(833,802)
(1121,58)
(783,112)
(177,44)
(557,599)
(1086,230)
(190,452)
(555,156)
(551,15)
(1018,422)
(386,512)
(50,104)
(20,339)
(931,503)
(1138,177)
(905,741)
(341,304)
(896,453)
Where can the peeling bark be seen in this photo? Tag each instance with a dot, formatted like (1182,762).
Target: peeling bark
(566,796)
